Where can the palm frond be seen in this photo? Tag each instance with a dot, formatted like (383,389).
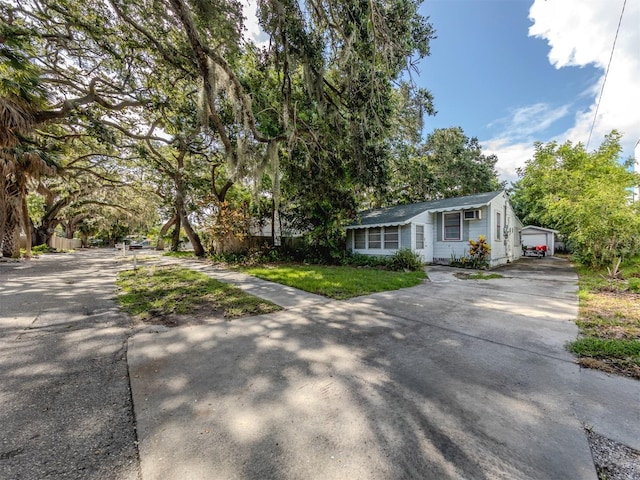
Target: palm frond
(15,117)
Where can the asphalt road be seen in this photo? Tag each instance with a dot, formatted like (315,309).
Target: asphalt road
(65,402)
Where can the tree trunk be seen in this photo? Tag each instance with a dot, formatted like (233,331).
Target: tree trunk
(10,247)
(69,229)
(43,234)
(4,206)
(27,226)
(194,238)
(13,212)
(273,222)
(198,249)
(175,240)
(163,231)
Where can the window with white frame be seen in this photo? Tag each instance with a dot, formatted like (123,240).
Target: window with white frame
(451,226)
(419,237)
(498,226)
(391,238)
(360,238)
(375,239)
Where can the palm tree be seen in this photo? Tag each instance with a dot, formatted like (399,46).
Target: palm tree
(16,118)
(21,96)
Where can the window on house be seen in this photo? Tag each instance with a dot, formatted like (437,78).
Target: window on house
(498,226)
(375,240)
(451,226)
(419,237)
(360,238)
(391,238)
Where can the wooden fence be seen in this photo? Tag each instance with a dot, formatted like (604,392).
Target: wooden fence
(60,243)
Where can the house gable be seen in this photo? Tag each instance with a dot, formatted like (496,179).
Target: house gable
(405,214)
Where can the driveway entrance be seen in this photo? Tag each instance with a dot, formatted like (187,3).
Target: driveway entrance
(450,379)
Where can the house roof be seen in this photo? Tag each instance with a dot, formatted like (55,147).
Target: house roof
(402,214)
(534,227)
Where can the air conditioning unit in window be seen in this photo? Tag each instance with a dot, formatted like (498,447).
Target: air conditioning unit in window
(473,215)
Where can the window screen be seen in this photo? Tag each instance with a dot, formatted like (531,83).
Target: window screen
(375,241)
(419,237)
(451,226)
(391,238)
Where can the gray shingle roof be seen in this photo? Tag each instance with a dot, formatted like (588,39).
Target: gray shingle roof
(401,214)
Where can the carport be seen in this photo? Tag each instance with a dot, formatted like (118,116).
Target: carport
(533,236)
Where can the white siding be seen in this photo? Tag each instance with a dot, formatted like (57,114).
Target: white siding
(471,229)
(506,248)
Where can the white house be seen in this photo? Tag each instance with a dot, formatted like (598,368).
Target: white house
(440,229)
(533,236)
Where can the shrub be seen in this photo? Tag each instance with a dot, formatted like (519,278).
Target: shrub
(634,284)
(44,248)
(405,259)
(478,257)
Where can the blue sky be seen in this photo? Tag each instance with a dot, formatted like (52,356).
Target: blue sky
(512,72)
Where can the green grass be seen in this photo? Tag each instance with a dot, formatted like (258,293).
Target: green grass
(596,347)
(478,276)
(162,291)
(179,254)
(609,320)
(337,282)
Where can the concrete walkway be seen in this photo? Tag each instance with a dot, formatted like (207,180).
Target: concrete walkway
(282,295)
(450,379)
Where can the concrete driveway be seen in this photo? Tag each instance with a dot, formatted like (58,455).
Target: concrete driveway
(454,378)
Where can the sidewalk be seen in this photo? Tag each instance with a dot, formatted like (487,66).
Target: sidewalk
(286,297)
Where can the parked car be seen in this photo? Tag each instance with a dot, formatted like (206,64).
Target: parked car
(135,245)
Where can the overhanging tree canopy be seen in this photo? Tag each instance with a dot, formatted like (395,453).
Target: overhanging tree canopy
(585,196)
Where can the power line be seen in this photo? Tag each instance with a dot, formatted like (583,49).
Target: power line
(606,73)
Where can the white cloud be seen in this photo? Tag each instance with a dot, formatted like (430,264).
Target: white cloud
(253,31)
(523,122)
(581,33)
(511,156)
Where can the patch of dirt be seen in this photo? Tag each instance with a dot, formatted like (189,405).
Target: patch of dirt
(612,314)
(616,367)
(463,276)
(613,461)
(199,316)
(620,294)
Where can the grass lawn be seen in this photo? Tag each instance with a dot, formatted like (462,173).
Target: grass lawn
(336,282)
(159,292)
(179,254)
(609,320)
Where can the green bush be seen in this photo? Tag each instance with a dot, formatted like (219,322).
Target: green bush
(44,248)
(634,284)
(405,259)
(37,250)
(478,258)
